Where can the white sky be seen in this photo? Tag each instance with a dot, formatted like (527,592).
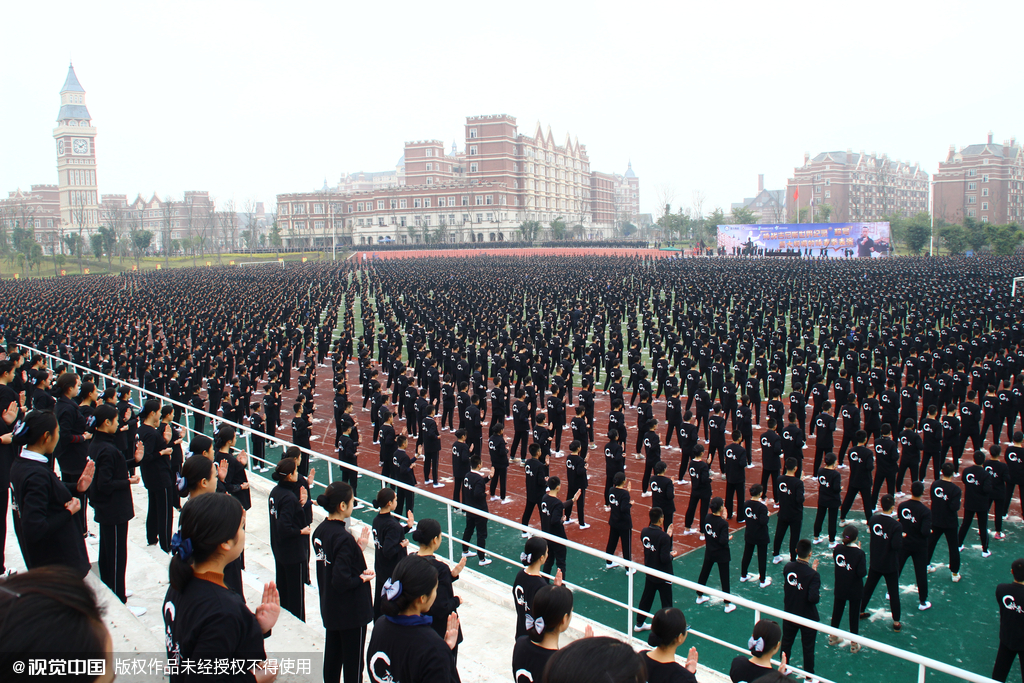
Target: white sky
(252,99)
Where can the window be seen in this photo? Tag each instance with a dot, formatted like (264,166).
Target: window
(380,204)
(984,178)
(970,212)
(318,208)
(972,200)
(472,150)
(359,206)
(828,182)
(417,203)
(451,218)
(465,218)
(817,189)
(380,221)
(441,202)
(972,172)
(318,225)
(489,199)
(984,219)
(419,221)
(430,167)
(465,201)
(972,186)
(473,168)
(828,194)
(479,200)
(426,203)
(430,181)
(394,203)
(430,153)
(490,217)
(472,132)
(984,192)
(984,206)
(817,177)
(426,220)
(479,218)
(404,204)
(284,209)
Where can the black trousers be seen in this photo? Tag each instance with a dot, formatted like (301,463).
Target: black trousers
(837,613)
(888,478)
(459,476)
(843,445)
(404,501)
(1004,660)
(774,476)
(951,541)
(793,526)
(556,433)
(500,474)
(914,467)
(982,526)
(160,517)
(616,535)
(580,502)
(479,525)
(999,507)
(762,558)
(807,637)
(556,554)
(723,571)
(920,557)
(732,490)
(351,477)
(892,585)
(520,437)
(343,651)
(865,498)
(819,519)
(5,497)
(653,586)
(531,505)
(113,559)
(291,587)
(691,508)
(648,471)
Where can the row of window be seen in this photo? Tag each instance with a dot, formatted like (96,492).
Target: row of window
(81,177)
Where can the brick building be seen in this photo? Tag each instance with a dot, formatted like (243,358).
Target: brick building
(984,181)
(858,187)
(627,195)
(482,194)
(768,205)
(38,209)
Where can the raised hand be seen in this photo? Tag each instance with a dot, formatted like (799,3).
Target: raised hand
(814,566)
(691,660)
(222,470)
(410,519)
(303,496)
(558,578)
(451,634)
(85,480)
(457,569)
(783,668)
(588,632)
(364,538)
(270,607)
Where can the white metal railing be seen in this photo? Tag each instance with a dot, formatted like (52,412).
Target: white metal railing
(924,664)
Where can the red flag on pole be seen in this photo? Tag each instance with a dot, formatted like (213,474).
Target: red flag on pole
(796,193)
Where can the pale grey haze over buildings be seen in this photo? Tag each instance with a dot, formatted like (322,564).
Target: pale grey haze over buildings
(251,99)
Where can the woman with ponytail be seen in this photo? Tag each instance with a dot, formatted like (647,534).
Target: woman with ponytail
(346,600)
(389,541)
(765,642)
(404,646)
(529,580)
(203,619)
(236,481)
(549,617)
(428,537)
(155,468)
(851,567)
(288,529)
(668,633)
(71,451)
(43,506)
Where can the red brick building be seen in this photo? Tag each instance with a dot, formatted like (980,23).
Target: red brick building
(857,187)
(984,181)
(39,209)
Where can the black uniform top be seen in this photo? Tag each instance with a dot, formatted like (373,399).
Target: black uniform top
(402,467)
(886,456)
(287,520)
(802,590)
(916,520)
(388,534)
(46,533)
(346,601)
(618,500)
(667,672)
(408,650)
(498,451)
(552,514)
(236,476)
(524,588)
(445,603)
(977,488)
(1010,597)
(474,490)
(154,468)
(700,479)
(110,493)
(851,568)
(735,464)
(614,460)
(745,671)
(791,497)
(886,541)
(529,660)
(945,504)
(207,621)
(576,472)
(1000,474)
(830,484)
(755,518)
(657,549)
(536,480)
(663,494)
(716,537)
(1015,464)
(771,450)
(71,448)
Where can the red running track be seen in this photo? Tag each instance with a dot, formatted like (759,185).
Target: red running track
(363,254)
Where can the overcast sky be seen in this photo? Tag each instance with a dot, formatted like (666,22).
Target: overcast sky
(251,99)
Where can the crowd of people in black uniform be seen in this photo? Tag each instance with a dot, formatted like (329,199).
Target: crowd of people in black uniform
(915,358)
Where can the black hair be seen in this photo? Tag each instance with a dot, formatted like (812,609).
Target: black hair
(756,490)
(284,469)
(716,505)
(46,610)
(850,534)
(196,468)
(384,498)
(1017,569)
(426,531)
(223,436)
(103,413)
(791,464)
(803,548)
(205,522)
(667,624)
(417,577)
(33,428)
(660,467)
(551,604)
(553,483)
(656,514)
(337,492)
(619,478)
(917,489)
(65,382)
(769,632)
(830,459)
(150,406)
(600,659)
(535,548)
(886,501)
(200,443)
(947,469)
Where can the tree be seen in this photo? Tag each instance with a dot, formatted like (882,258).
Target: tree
(74,242)
(558,229)
(528,230)
(897,227)
(108,241)
(628,229)
(79,217)
(917,232)
(578,231)
(977,236)
(741,215)
(275,237)
(709,231)
(96,244)
(801,216)
(141,239)
(251,224)
(1004,238)
(954,238)
(824,212)
(117,222)
(166,221)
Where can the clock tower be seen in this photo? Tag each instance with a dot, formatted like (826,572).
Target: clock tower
(75,137)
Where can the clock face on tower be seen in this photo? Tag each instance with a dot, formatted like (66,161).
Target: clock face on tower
(60,147)
(81,146)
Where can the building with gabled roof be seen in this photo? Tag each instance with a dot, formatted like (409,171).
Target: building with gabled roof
(983,181)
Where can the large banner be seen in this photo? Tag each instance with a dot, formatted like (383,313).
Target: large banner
(863,240)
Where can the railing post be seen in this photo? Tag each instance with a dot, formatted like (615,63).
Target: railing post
(451,532)
(629,602)
(922,670)
(248,450)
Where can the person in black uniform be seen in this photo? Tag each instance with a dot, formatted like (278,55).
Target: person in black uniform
(549,617)
(346,602)
(755,516)
(829,497)
(614,462)
(203,619)
(620,523)
(734,464)
(474,494)
(716,550)
(300,435)
(73,446)
(802,593)
(389,541)
(700,490)
(404,646)
(771,464)
(977,500)
(1010,598)
(658,554)
(347,453)
(552,521)
(499,461)
(428,536)
(111,498)
(664,493)
(402,469)
(916,519)
(155,468)
(431,439)
(862,462)
(851,568)
(287,530)
(43,507)
(667,635)
(791,511)
(576,486)
(763,644)
(886,542)
(460,464)
(536,479)
(529,580)
(946,497)
(1000,475)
